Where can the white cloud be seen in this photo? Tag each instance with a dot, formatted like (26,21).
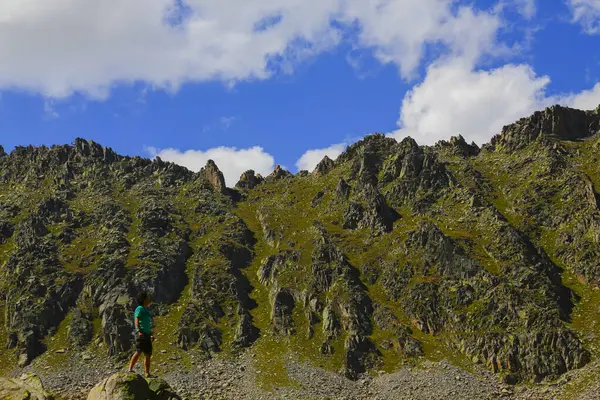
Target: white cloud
(585,100)
(398,30)
(222,124)
(527,8)
(455,99)
(587,13)
(49,110)
(310,159)
(60,47)
(230,160)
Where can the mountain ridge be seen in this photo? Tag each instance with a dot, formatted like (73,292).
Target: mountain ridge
(390,254)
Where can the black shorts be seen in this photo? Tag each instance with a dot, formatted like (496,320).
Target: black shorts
(143,344)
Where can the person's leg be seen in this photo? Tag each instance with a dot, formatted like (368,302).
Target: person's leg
(134,360)
(147,364)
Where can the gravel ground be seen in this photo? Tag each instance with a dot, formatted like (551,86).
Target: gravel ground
(236,379)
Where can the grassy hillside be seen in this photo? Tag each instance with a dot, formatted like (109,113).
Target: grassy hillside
(393,254)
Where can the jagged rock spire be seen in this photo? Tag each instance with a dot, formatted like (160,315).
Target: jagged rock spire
(212,174)
(459,145)
(249,180)
(279,173)
(324,166)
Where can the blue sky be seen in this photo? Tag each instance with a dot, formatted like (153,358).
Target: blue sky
(316,76)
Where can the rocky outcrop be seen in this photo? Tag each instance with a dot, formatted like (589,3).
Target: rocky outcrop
(213,175)
(342,190)
(81,329)
(459,146)
(497,333)
(278,173)
(552,124)
(249,180)
(334,295)
(27,387)
(369,210)
(219,290)
(324,166)
(131,386)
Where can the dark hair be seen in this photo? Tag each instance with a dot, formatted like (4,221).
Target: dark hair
(141,298)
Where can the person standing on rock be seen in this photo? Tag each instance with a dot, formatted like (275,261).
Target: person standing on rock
(143,331)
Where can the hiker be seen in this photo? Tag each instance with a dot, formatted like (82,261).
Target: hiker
(143,333)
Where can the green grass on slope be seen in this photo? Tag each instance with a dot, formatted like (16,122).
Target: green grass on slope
(8,358)
(292,215)
(585,318)
(290,210)
(58,349)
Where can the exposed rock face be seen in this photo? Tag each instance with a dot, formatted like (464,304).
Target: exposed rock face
(324,166)
(278,173)
(459,146)
(249,180)
(213,175)
(81,330)
(342,190)
(553,123)
(27,387)
(219,289)
(131,386)
(370,211)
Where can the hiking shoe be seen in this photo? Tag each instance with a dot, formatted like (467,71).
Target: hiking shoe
(151,376)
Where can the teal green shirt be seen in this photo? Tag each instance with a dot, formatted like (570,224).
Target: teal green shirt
(145,320)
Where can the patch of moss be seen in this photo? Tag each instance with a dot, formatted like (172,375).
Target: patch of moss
(7,357)
(58,349)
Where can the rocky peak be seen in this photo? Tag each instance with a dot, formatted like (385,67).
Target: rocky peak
(249,180)
(324,166)
(279,173)
(459,145)
(553,123)
(89,148)
(375,143)
(212,174)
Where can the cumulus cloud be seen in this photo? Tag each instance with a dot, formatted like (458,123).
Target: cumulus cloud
(527,8)
(230,160)
(399,30)
(456,99)
(585,100)
(587,13)
(309,160)
(60,47)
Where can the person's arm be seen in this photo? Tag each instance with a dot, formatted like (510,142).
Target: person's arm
(137,325)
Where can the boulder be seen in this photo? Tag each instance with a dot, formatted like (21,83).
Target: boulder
(27,387)
(131,386)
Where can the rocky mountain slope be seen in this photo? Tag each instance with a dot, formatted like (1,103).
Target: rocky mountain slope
(394,254)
